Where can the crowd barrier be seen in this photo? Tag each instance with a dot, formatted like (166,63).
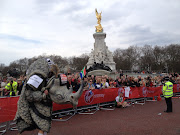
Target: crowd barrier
(8,105)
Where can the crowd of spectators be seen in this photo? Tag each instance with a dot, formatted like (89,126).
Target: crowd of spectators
(101,82)
(11,84)
(94,82)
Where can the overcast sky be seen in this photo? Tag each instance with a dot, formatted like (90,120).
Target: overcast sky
(65,27)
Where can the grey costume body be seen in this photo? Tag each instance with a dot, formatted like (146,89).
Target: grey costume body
(34,107)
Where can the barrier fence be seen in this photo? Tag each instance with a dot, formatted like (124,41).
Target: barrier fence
(8,105)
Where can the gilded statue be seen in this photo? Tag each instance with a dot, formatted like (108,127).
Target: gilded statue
(99,27)
(98,16)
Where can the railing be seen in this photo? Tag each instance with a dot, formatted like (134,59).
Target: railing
(89,103)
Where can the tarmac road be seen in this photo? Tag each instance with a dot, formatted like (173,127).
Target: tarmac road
(134,120)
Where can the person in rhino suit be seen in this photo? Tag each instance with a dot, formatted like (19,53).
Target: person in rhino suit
(34,105)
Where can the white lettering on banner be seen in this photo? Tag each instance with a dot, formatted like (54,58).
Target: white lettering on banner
(89,96)
(150,91)
(127,89)
(99,95)
(35,81)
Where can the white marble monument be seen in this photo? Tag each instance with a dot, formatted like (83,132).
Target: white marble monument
(101,59)
(101,53)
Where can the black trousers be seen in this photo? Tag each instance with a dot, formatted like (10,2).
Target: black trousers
(169,104)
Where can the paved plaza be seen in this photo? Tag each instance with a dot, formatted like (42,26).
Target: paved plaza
(134,120)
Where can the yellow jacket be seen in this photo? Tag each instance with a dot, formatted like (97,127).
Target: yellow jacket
(168,89)
(12,88)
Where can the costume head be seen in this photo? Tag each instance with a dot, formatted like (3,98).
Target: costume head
(45,66)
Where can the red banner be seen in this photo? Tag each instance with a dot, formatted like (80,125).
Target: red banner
(8,105)
(4,115)
(176,88)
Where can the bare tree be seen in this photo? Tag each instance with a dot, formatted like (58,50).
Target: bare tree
(61,62)
(125,59)
(172,57)
(159,58)
(2,66)
(147,58)
(77,63)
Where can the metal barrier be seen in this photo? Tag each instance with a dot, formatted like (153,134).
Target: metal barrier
(140,101)
(107,106)
(67,114)
(177,94)
(64,115)
(3,128)
(12,126)
(92,109)
(151,99)
(9,125)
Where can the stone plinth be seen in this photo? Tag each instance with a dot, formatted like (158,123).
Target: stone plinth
(101,54)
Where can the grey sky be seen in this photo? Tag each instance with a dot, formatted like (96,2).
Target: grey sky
(31,28)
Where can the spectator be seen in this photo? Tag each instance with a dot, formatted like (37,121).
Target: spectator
(98,84)
(142,82)
(119,82)
(11,87)
(112,85)
(154,81)
(14,79)
(89,77)
(85,83)
(123,83)
(158,83)
(115,84)
(126,82)
(136,83)
(19,86)
(91,85)
(139,78)
(2,86)
(76,84)
(104,82)
(149,82)
(172,80)
(69,81)
(93,78)
(119,101)
(129,82)
(107,78)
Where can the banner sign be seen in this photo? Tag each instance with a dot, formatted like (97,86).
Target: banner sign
(8,105)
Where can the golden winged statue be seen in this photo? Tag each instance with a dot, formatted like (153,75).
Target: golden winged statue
(99,27)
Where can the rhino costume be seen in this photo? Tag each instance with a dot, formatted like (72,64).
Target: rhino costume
(34,106)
